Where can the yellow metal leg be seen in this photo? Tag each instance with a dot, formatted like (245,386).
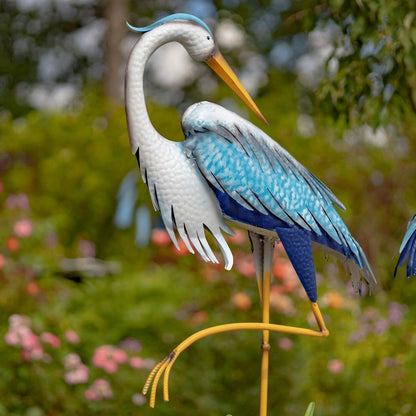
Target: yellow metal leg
(166,364)
(265,346)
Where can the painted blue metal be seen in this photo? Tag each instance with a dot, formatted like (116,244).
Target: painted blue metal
(408,249)
(170,18)
(258,183)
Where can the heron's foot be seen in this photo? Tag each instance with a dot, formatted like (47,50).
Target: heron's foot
(153,378)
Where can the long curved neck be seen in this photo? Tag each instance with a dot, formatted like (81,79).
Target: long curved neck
(141,131)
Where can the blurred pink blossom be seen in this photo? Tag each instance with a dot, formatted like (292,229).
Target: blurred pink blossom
(12,338)
(71,361)
(99,389)
(20,335)
(160,237)
(91,395)
(29,340)
(2,261)
(131,344)
(20,201)
(23,228)
(149,363)
(358,335)
(120,356)
(380,326)
(77,376)
(285,343)
(76,371)
(71,336)
(239,237)
(86,248)
(335,366)
(51,240)
(245,266)
(51,339)
(136,362)
(138,399)
(396,312)
(108,358)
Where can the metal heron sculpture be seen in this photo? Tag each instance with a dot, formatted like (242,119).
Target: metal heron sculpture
(228,169)
(408,249)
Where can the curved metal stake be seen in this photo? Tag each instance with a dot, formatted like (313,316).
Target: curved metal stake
(265,346)
(171,358)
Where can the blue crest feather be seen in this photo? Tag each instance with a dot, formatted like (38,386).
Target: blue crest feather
(172,17)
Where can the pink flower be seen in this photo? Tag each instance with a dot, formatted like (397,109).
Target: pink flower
(20,201)
(131,344)
(103,387)
(136,362)
(110,367)
(108,358)
(335,366)
(50,339)
(245,266)
(285,343)
(91,395)
(71,361)
(149,363)
(30,341)
(77,372)
(120,356)
(239,237)
(71,336)
(396,312)
(160,237)
(86,248)
(16,320)
(26,355)
(12,338)
(99,389)
(23,228)
(138,399)
(77,376)
(381,326)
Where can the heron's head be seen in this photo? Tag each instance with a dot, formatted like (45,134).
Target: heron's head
(198,40)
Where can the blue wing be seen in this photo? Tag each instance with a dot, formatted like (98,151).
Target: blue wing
(408,249)
(258,183)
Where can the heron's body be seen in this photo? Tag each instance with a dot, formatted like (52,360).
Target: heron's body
(408,249)
(228,169)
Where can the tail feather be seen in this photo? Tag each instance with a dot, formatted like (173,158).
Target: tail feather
(408,252)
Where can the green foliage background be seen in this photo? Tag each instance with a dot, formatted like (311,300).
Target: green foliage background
(71,164)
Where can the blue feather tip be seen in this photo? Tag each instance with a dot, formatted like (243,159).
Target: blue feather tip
(408,249)
(170,18)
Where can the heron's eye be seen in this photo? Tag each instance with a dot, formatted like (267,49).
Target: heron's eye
(208,38)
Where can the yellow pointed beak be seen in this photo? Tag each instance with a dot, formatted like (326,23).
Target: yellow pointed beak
(223,70)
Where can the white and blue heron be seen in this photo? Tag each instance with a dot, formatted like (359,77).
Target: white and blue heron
(229,169)
(408,249)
